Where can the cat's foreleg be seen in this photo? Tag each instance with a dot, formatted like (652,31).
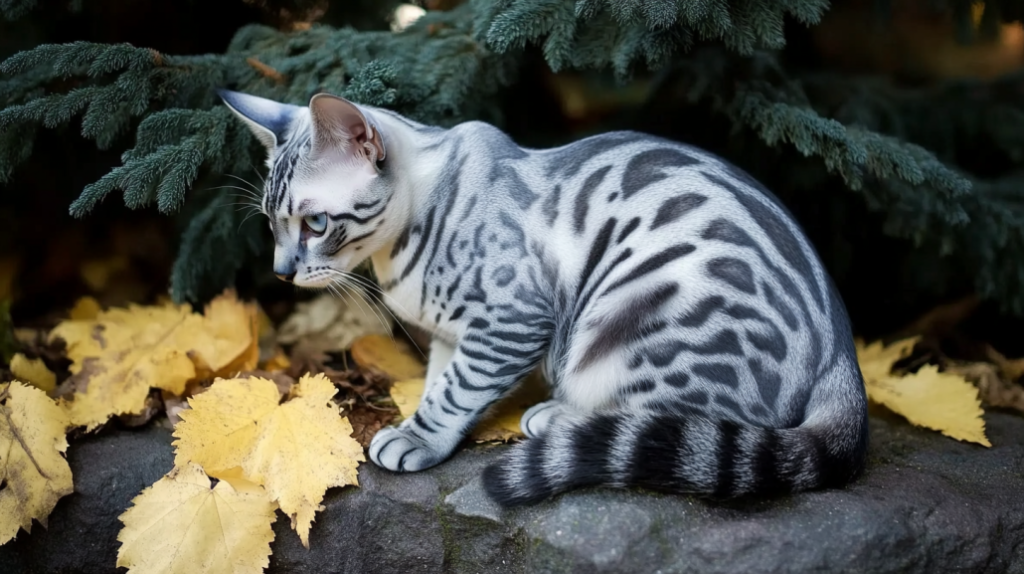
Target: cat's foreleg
(441,353)
(452,404)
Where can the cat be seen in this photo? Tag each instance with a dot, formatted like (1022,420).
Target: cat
(691,337)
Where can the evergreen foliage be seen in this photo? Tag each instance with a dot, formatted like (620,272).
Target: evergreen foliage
(453,65)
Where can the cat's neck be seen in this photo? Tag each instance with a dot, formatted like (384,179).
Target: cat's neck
(414,162)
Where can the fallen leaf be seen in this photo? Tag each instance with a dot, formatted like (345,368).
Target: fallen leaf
(330,323)
(391,357)
(501,423)
(33,371)
(876,360)
(179,525)
(407,395)
(118,356)
(277,362)
(993,389)
(296,449)
(367,421)
(228,340)
(1012,369)
(283,381)
(944,402)
(33,471)
(85,309)
(154,406)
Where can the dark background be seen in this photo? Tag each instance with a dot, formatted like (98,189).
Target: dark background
(886,281)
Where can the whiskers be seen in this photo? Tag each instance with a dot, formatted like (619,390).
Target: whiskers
(251,198)
(356,286)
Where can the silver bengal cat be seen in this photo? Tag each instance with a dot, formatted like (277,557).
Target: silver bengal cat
(691,337)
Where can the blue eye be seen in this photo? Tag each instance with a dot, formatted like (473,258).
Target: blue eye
(316,223)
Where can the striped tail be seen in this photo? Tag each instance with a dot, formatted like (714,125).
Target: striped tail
(669,453)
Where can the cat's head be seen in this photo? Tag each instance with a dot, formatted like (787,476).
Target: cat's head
(326,192)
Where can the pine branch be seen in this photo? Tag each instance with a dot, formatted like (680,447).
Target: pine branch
(220,240)
(14,9)
(619,33)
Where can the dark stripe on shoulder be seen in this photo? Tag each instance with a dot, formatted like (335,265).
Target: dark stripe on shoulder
(722,229)
(647,167)
(570,159)
(781,235)
(776,303)
(630,227)
(518,190)
(582,202)
(627,324)
(597,251)
(734,272)
(719,373)
(653,263)
(700,312)
(674,208)
(428,227)
(769,382)
(550,206)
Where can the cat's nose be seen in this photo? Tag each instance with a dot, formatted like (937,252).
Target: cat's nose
(287,277)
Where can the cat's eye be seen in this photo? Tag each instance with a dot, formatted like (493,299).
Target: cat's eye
(316,223)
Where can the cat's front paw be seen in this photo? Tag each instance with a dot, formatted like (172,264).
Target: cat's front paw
(398,450)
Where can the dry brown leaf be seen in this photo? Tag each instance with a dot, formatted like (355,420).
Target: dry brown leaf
(118,356)
(994,390)
(296,449)
(33,470)
(391,357)
(330,323)
(1012,369)
(33,371)
(940,401)
(367,421)
(179,525)
(277,362)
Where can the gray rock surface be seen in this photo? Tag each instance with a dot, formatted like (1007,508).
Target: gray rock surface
(926,504)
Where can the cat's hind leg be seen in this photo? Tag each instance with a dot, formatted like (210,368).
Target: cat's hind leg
(536,418)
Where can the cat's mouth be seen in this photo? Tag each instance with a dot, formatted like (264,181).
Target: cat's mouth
(314,280)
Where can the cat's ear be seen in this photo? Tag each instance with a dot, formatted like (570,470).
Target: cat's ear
(339,126)
(268,120)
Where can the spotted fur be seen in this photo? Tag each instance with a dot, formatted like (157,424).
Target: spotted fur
(692,340)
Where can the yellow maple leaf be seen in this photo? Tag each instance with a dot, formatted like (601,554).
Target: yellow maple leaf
(118,355)
(391,357)
(502,421)
(179,525)
(876,360)
(32,468)
(944,402)
(85,308)
(33,371)
(297,449)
